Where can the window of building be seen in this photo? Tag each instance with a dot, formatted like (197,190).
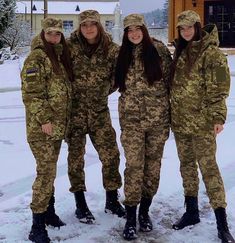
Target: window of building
(68,25)
(109,25)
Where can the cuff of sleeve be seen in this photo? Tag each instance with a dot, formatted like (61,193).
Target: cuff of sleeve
(43,119)
(218,121)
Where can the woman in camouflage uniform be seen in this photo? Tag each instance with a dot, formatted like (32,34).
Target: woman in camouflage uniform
(46,90)
(142,75)
(93,57)
(199,88)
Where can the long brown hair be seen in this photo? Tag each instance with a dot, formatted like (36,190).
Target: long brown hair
(64,57)
(102,39)
(150,58)
(182,44)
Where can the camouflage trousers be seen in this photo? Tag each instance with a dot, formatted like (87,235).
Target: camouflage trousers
(104,141)
(46,155)
(200,150)
(143,151)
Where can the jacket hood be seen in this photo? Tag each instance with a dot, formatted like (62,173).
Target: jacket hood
(210,35)
(37,43)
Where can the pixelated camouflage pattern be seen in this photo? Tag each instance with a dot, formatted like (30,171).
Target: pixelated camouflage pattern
(145,119)
(90,113)
(142,103)
(188,17)
(143,149)
(133,19)
(88,15)
(46,95)
(104,141)
(198,97)
(200,150)
(46,155)
(52,24)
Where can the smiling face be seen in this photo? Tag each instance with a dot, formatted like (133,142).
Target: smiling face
(53,37)
(90,31)
(187,32)
(135,34)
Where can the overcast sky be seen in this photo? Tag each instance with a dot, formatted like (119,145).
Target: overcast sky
(140,6)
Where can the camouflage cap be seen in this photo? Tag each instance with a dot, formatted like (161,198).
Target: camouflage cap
(52,24)
(133,19)
(89,15)
(188,17)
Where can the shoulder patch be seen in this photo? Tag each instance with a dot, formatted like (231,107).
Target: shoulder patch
(220,74)
(31,72)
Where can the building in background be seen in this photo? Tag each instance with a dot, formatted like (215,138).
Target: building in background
(220,12)
(67,11)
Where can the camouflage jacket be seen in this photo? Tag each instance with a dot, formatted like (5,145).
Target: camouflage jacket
(93,82)
(198,97)
(141,103)
(46,95)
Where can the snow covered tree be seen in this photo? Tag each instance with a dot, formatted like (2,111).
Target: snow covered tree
(165,13)
(154,18)
(7,13)
(17,34)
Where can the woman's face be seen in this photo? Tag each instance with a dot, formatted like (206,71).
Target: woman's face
(187,32)
(90,31)
(134,34)
(53,37)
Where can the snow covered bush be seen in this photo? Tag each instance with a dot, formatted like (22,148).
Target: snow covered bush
(7,54)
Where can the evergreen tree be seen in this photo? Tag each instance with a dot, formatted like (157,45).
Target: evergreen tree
(153,18)
(7,13)
(165,13)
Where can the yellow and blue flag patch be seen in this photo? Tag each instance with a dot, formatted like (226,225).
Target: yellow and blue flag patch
(31,72)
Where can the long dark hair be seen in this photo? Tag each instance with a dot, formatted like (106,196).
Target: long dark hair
(102,38)
(182,44)
(150,58)
(65,56)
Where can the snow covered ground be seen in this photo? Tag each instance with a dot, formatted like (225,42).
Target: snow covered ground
(17,171)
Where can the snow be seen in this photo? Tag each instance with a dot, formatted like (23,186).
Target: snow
(67,7)
(17,171)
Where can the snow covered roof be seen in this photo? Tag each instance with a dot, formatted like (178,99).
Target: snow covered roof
(61,7)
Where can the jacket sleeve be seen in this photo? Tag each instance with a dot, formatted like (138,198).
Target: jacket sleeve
(114,56)
(34,90)
(217,85)
(166,60)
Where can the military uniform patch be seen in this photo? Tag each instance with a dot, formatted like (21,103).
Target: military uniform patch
(221,74)
(31,72)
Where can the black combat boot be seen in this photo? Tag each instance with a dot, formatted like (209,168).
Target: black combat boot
(82,212)
(129,232)
(144,219)
(191,216)
(38,233)
(222,226)
(113,205)
(50,216)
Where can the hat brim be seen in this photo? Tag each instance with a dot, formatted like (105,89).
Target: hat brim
(50,29)
(133,23)
(89,19)
(185,22)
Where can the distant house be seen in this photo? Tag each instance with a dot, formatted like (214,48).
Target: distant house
(66,10)
(220,12)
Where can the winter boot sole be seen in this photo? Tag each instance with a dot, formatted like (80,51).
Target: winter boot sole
(32,238)
(179,227)
(145,229)
(120,215)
